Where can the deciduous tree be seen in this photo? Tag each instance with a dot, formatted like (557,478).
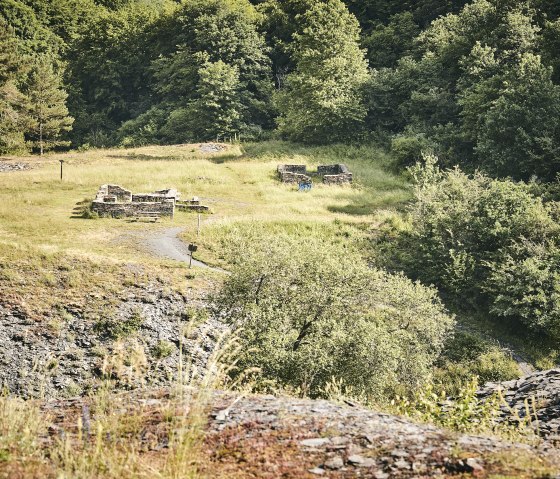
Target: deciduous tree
(322,100)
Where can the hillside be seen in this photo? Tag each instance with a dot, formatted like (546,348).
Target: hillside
(69,281)
(91,305)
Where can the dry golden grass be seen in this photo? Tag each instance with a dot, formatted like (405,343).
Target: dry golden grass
(239,184)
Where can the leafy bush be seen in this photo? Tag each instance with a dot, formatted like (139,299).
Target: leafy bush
(488,243)
(163,349)
(409,149)
(119,328)
(467,355)
(465,413)
(308,312)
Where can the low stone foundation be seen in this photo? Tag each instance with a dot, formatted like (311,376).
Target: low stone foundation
(109,191)
(293,173)
(114,201)
(335,174)
(126,210)
(332,174)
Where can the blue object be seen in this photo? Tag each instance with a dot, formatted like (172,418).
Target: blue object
(304,186)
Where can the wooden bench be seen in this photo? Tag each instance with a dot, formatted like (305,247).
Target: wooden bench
(147,215)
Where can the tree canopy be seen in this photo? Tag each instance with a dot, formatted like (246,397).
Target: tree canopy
(474,82)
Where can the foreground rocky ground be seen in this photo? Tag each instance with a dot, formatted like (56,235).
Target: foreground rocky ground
(277,437)
(534,399)
(133,338)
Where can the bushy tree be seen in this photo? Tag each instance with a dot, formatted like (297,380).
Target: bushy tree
(47,106)
(520,130)
(224,33)
(322,99)
(387,44)
(474,86)
(108,71)
(217,110)
(308,312)
(488,244)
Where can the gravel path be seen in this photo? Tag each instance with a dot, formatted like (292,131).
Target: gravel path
(167,244)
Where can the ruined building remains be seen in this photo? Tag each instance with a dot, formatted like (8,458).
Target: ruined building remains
(331,174)
(115,201)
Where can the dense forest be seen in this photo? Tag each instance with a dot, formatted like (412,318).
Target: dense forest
(477,84)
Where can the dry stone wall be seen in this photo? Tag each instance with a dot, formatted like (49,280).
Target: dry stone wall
(332,174)
(293,173)
(117,202)
(335,174)
(123,210)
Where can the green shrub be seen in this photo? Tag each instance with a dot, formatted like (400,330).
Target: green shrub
(119,328)
(308,312)
(89,214)
(163,349)
(409,149)
(465,412)
(467,355)
(484,242)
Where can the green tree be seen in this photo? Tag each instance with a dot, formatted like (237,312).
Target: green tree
(308,312)
(108,71)
(386,44)
(13,103)
(519,132)
(322,99)
(217,110)
(489,245)
(47,103)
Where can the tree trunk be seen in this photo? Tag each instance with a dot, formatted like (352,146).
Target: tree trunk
(41,137)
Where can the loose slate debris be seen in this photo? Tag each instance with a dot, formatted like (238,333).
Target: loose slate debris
(6,167)
(282,437)
(538,395)
(212,148)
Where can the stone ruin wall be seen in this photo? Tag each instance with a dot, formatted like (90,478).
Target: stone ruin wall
(115,201)
(332,174)
(293,173)
(124,210)
(115,191)
(335,174)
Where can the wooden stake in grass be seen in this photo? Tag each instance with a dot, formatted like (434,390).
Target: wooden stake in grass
(61,163)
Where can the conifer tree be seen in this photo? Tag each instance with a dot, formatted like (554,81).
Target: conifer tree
(322,100)
(13,118)
(48,110)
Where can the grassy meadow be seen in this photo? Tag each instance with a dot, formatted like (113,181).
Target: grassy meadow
(239,184)
(45,244)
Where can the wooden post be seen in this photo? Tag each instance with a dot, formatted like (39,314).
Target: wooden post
(198,226)
(61,162)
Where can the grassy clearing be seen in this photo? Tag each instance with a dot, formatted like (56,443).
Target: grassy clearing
(49,257)
(240,185)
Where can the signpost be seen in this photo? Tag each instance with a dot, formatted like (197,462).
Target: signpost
(192,250)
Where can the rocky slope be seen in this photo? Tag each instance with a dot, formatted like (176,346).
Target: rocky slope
(533,400)
(279,437)
(66,357)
